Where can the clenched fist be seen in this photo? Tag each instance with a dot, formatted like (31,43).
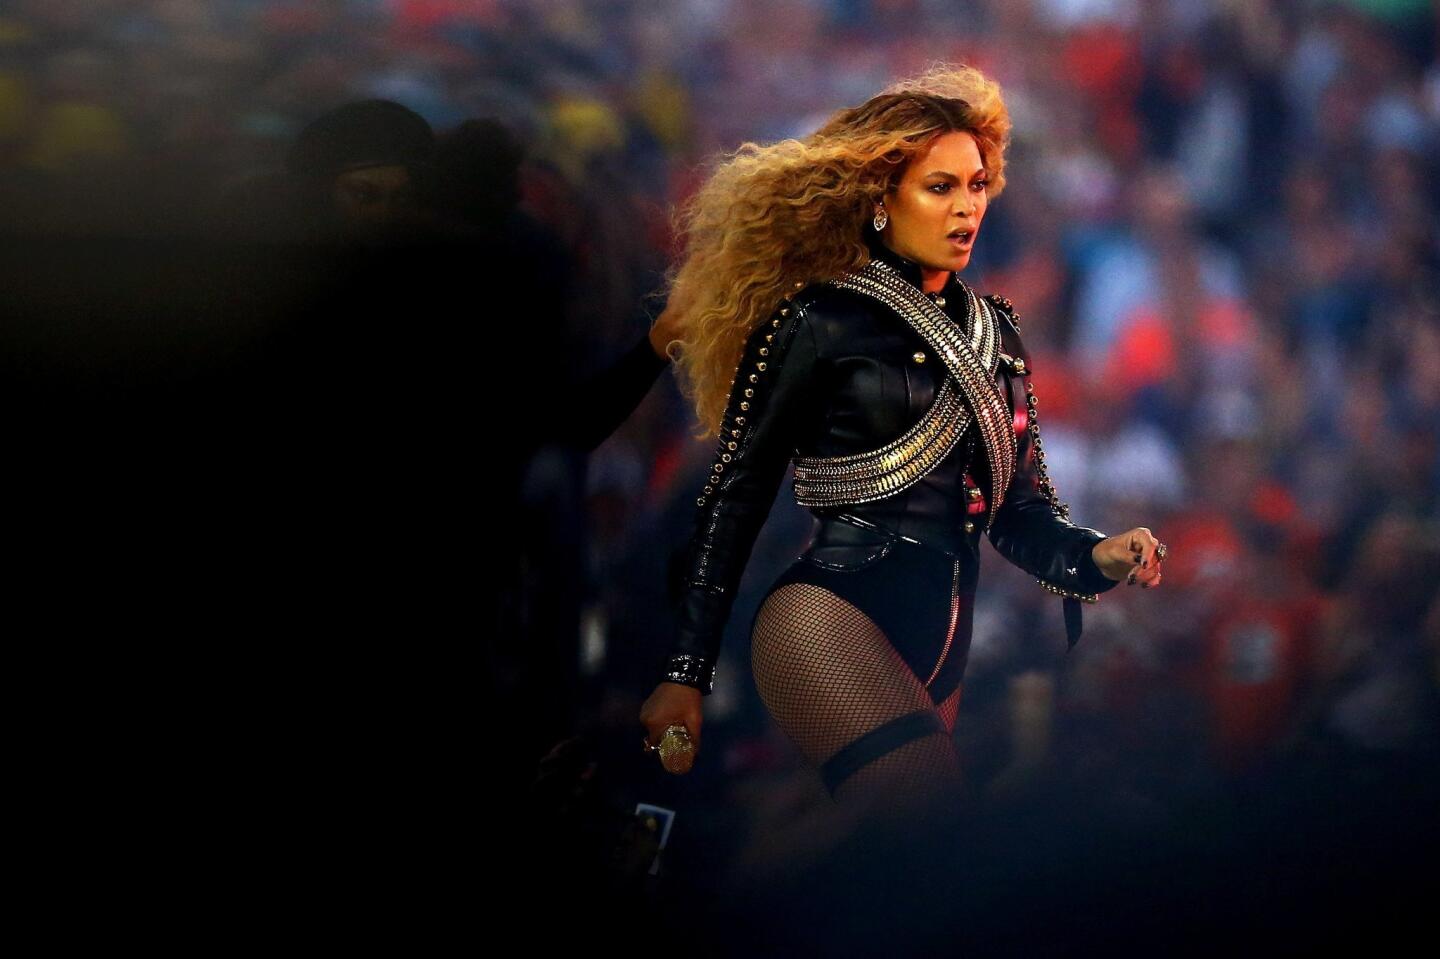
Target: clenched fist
(1131,556)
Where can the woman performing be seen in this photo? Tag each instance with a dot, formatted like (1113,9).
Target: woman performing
(828,268)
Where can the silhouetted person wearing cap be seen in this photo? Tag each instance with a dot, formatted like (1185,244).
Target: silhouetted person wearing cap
(359,170)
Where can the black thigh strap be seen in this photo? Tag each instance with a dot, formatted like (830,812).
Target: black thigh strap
(876,743)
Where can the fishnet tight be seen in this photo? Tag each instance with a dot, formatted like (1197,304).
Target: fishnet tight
(828,675)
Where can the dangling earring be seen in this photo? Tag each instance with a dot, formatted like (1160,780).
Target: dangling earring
(881,218)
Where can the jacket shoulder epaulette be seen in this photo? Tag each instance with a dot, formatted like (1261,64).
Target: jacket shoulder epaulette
(834,314)
(1014,344)
(1006,308)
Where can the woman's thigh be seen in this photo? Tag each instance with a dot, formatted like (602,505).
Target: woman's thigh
(837,685)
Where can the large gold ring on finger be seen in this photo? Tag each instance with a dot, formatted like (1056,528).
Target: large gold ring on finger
(677,750)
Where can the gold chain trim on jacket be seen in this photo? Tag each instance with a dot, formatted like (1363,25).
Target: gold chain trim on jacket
(899,464)
(971,355)
(1047,488)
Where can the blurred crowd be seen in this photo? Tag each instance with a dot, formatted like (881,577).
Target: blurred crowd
(1221,233)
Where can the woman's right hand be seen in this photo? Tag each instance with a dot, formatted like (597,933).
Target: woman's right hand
(672,703)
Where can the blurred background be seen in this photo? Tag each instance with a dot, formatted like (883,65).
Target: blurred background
(1221,235)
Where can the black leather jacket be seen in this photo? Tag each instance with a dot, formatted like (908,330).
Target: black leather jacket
(833,373)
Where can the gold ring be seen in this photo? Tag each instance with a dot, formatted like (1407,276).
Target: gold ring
(677,749)
(1160,551)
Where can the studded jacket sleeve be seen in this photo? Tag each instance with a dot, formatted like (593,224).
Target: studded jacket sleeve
(1032,528)
(774,399)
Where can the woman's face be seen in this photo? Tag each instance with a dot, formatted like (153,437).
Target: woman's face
(941,194)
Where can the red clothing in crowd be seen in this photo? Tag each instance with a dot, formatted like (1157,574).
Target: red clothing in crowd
(1258,651)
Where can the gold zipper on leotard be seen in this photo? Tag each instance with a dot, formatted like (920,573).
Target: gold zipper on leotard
(954,618)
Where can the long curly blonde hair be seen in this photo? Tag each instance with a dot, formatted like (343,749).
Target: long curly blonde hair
(771,219)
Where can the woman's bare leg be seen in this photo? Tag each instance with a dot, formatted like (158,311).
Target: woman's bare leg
(839,689)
